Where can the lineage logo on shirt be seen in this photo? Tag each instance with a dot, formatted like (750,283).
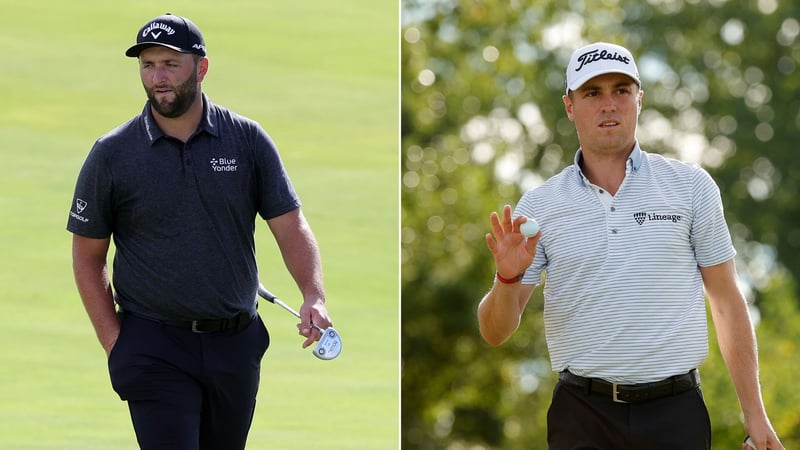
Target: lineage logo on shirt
(641,217)
(223,164)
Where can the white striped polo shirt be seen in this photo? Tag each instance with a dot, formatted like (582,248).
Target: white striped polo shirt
(623,293)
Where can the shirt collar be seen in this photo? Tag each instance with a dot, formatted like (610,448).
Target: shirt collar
(633,164)
(209,122)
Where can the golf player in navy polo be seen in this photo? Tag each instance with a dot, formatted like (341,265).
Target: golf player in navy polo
(178,188)
(630,242)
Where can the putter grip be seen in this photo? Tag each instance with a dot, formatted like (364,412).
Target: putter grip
(265,294)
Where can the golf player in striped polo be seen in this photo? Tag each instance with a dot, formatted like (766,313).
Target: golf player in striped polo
(630,243)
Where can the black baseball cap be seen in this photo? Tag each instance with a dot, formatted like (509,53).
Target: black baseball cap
(171,31)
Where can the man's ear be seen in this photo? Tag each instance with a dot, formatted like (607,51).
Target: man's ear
(568,106)
(639,102)
(202,69)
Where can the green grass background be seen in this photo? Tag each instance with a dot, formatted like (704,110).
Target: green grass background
(321,77)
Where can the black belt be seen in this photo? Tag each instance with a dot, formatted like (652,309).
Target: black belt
(237,322)
(634,393)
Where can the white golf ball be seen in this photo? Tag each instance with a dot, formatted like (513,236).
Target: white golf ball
(529,228)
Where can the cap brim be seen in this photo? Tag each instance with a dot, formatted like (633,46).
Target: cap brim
(134,51)
(581,81)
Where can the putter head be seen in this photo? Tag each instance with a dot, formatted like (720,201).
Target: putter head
(329,345)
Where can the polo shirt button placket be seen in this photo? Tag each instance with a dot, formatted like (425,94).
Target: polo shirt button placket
(612,209)
(187,158)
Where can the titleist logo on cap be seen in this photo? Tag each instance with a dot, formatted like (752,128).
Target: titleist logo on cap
(599,55)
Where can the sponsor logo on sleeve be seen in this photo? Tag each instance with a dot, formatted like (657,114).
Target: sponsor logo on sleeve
(80,206)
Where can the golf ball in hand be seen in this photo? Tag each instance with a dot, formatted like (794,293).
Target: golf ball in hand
(529,228)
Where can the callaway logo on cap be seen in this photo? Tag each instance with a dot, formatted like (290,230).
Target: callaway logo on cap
(598,59)
(171,31)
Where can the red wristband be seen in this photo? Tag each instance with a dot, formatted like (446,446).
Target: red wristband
(514,280)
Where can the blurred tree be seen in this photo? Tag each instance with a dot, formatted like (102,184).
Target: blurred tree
(482,121)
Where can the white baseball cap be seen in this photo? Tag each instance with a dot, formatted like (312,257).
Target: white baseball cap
(597,59)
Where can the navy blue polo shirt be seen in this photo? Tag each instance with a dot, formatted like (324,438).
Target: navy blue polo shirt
(182,215)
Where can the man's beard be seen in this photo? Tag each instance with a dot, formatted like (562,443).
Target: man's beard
(185,94)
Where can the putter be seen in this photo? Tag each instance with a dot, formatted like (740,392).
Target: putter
(330,343)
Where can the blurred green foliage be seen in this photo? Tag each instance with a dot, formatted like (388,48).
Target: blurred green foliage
(482,121)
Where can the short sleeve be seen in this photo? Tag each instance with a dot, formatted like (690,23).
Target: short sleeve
(276,194)
(709,235)
(91,214)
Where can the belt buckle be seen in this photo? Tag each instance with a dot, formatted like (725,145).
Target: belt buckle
(615,394)
(194,327)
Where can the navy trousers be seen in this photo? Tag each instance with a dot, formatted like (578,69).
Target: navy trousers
(580,420)
(188,390)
